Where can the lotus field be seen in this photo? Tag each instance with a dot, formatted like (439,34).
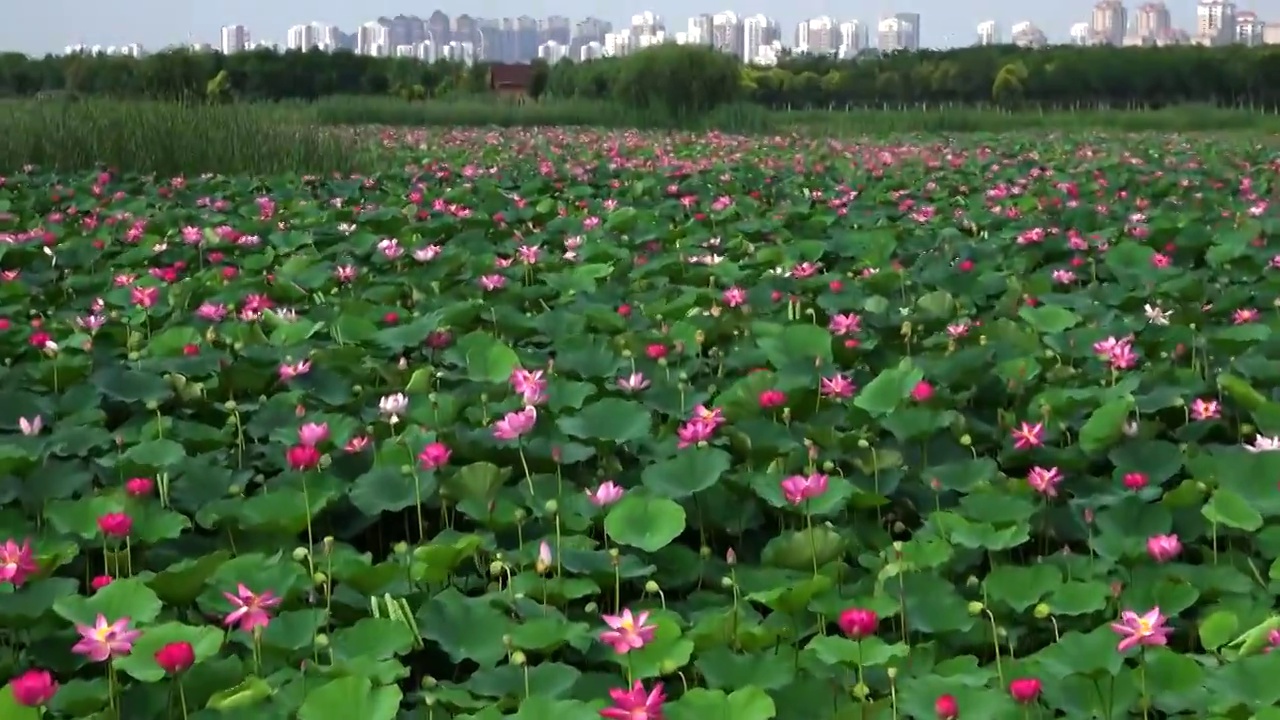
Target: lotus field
(565,424)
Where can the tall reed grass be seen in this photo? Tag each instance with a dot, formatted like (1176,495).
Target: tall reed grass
(69,134)
(170,138)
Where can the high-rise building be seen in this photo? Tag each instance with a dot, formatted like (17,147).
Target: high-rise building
(900,31)
(1215,22)
(726,33)
(988,33)
(820,36)
(761,39)
(1108,23)
(235,38)
(854,38)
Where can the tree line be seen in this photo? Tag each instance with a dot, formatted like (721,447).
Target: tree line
(690,79)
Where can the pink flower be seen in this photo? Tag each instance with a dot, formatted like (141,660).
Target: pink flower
(515,424)
(139,486)
(1025,690)
(1205,409)
(772,399)
(1163,548)
(16,562)
(1045,480)
(1146,629)
(1135,480)
(302,457)
(530,384)
(100,581)
(837,386)
(434,455)
(312,434)
(922,391)
(627,632)
(734,296)
(635,382)
(1028,436)
(30,427)
(635,704)
(607,493)
(34,688)
(543,562)
(115,525)
(799,488)
(289,371)
(104,640)
(251,610)
(858,623)
(695,431)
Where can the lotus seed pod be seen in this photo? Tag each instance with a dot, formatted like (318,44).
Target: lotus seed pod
(726,582)
(861,691)
(862,443)
(613,553)
(230,405)
(235,490)
(506,641)
(828,466)
(1042,611)
(406,469)
(300,554)
(972,581)
(495,567)
(704,552)
(552,506)
(651,587)
(518,658)
(892,672)
(669,667)
(591,608)
(520,515)
(357,389)
(320,578)
(976,608)
(899,527)
(322,640)
(429,682)
(400,548)
(966,440)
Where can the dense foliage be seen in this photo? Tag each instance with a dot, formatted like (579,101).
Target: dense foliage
(1059,77)
(561,425)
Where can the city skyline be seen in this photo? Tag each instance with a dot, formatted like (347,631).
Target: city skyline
(54,25)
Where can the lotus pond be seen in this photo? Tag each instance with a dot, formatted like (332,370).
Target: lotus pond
(566,424)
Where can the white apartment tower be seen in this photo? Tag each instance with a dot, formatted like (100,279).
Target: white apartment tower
(988,33)
(235,38)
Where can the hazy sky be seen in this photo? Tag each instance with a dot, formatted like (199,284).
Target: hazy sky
(41,26)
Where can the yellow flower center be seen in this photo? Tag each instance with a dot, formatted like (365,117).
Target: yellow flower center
(1144,627)
(101,634)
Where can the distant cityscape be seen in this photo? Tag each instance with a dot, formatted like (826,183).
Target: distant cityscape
(756,39)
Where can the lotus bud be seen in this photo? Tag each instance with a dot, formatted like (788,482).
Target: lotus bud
(652,588)
(300,554)
(976,608)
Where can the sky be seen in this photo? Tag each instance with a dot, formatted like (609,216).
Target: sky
(49,25)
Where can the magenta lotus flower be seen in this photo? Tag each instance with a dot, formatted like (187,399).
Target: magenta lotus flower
(627,632)
(16,562)
(515,424)
(799,488)
(635,704)
(103,640)
(252,610)
(607,493)
(1145,629)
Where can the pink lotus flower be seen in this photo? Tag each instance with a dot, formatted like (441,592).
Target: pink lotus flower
(1163,548)
(434,455)
(607,493)
(30,427)
(627,632)
(16,562)
(104,640)
(799,488)
(1045,480)
(1146,629)
(530,384)
(543,562)
(289,371)
(1028,436)
(635,704)
(837,386)
(1205,409)
(312,434)
(251,610)
(635,382)
(515,424)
